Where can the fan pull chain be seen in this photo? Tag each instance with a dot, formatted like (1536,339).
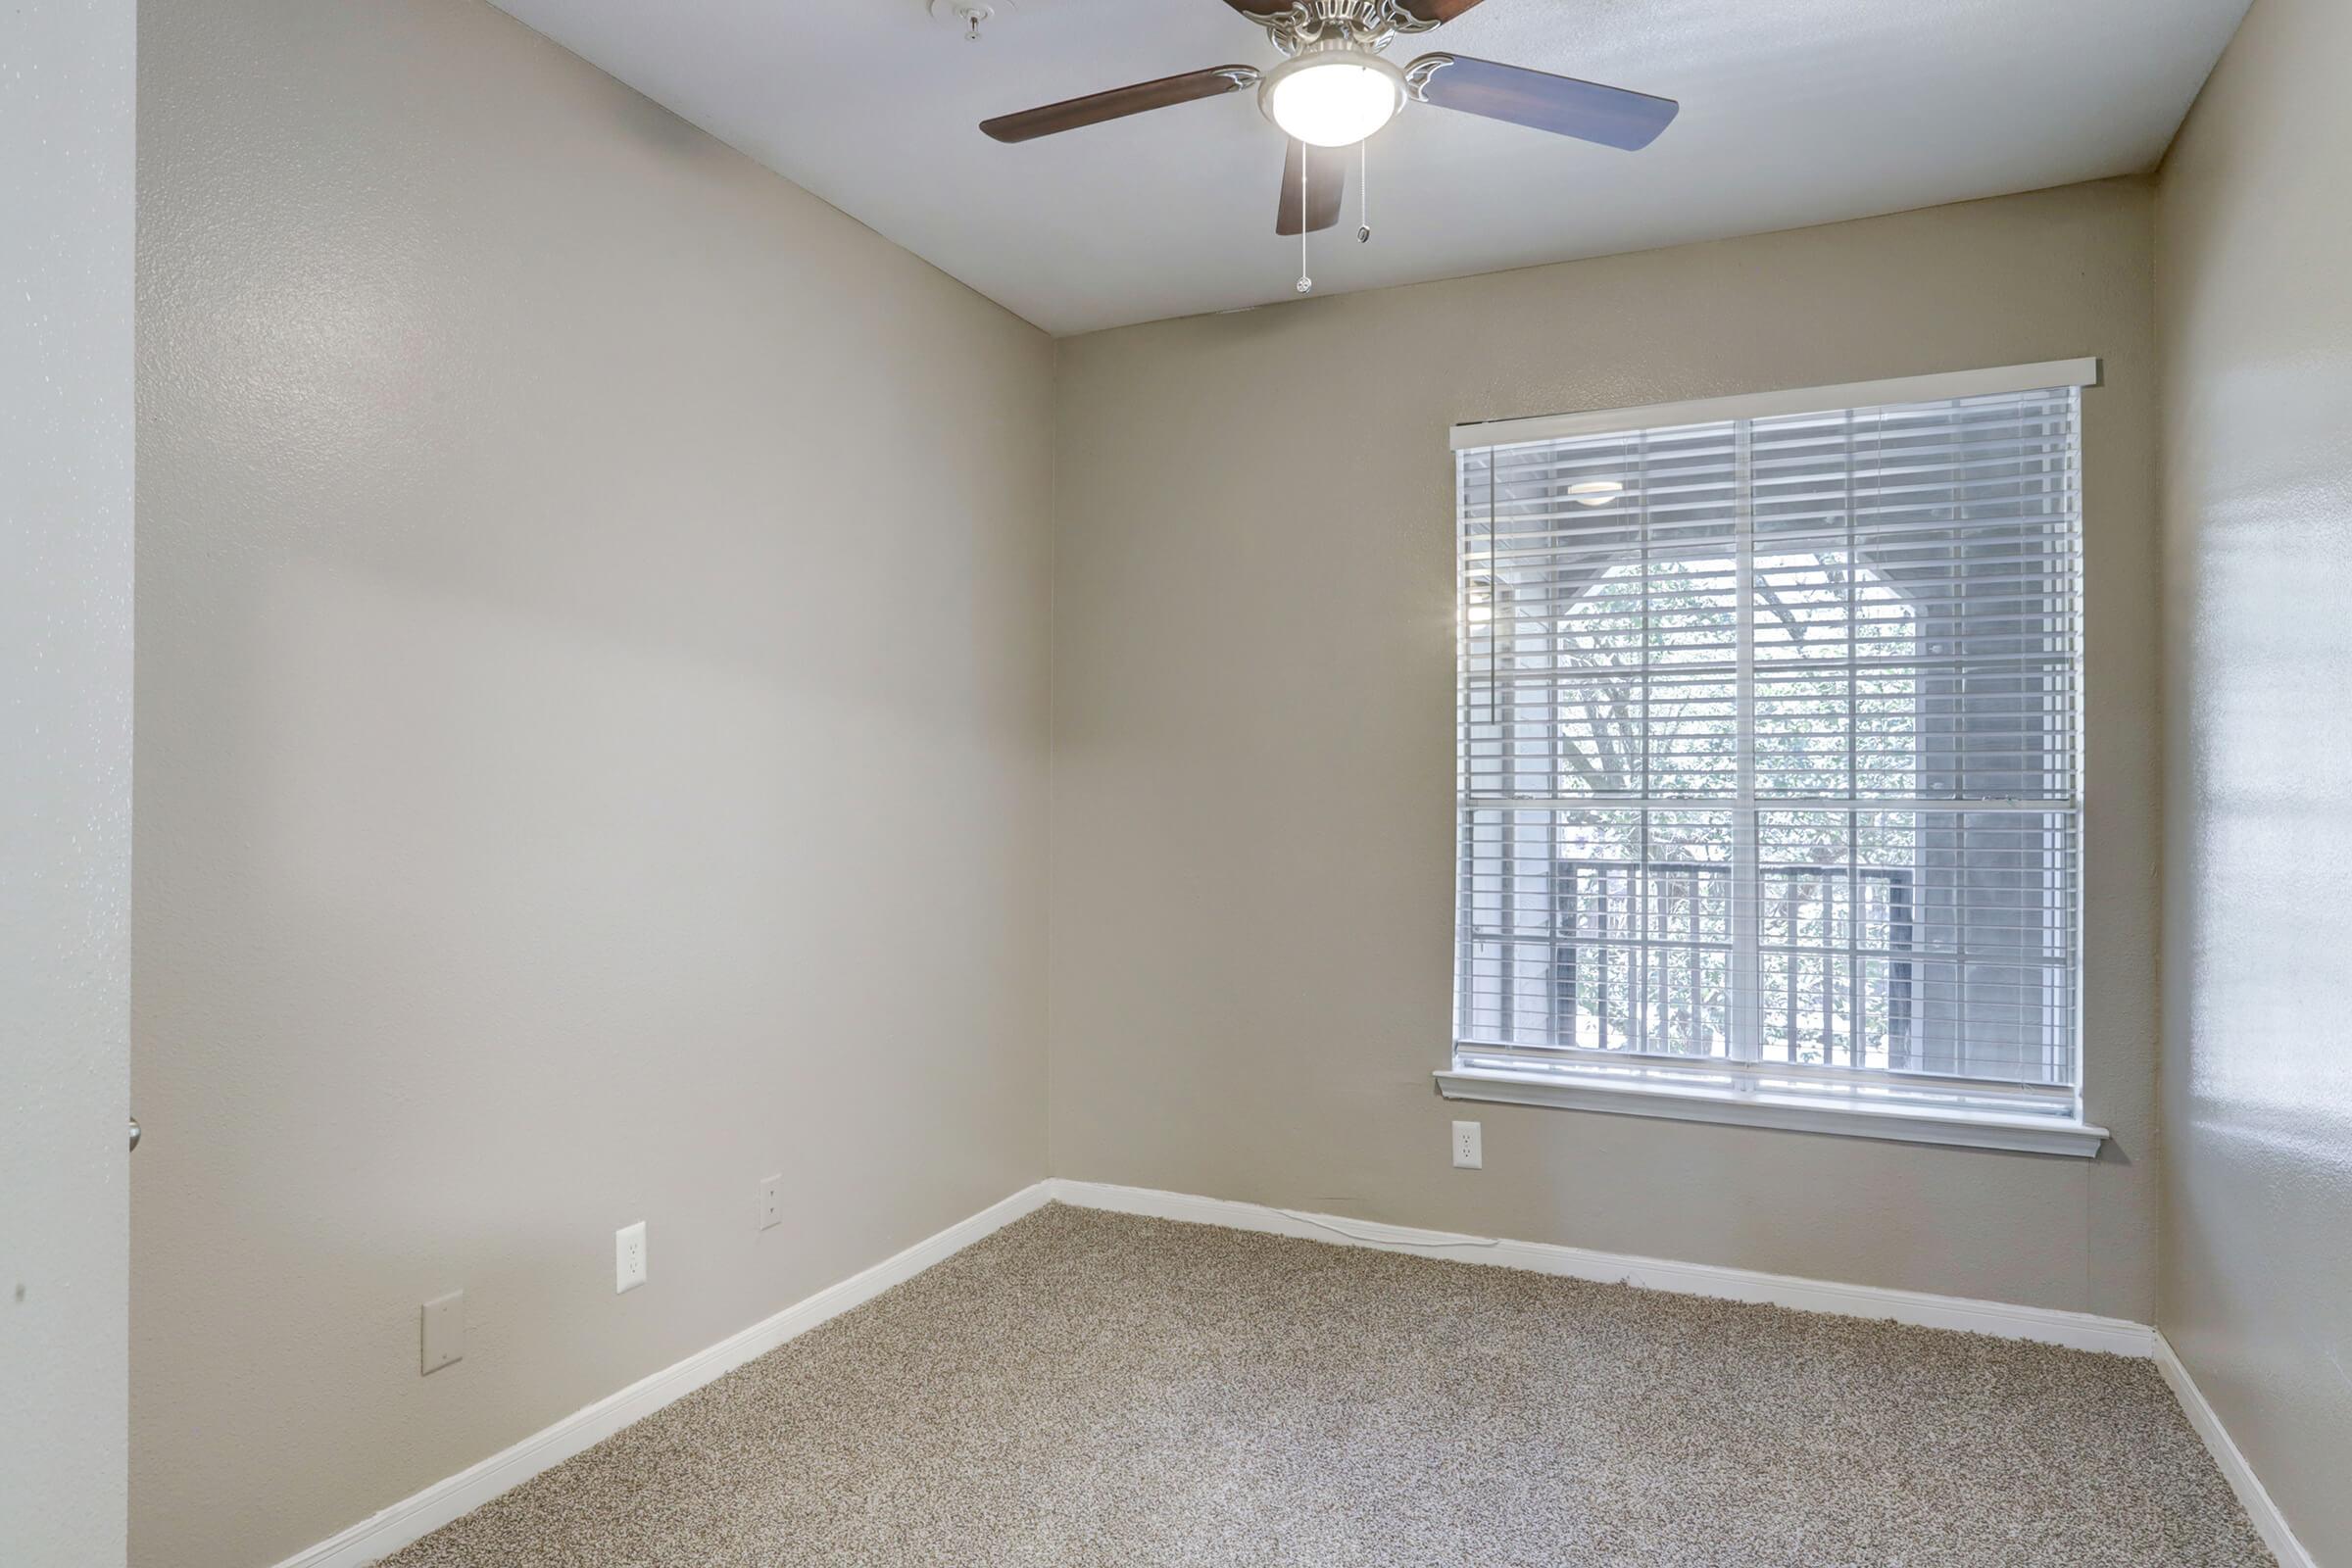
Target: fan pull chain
(1363,191)
(1304,282)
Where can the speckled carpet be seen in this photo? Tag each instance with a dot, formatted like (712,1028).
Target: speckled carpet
(1085,1388)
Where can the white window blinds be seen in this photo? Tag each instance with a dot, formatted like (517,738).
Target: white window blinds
(1769,767)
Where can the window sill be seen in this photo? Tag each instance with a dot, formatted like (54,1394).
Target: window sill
(1910,1124)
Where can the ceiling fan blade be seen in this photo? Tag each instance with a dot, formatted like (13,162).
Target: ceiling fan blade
(1120,101)
(1326,178)
(1562,105)
(1438,10)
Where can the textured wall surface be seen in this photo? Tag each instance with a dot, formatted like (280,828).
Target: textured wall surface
(64,775)
(1253,747)
(2255,327)
(591,696)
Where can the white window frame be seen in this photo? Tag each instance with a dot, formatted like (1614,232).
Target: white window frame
(1757,1094)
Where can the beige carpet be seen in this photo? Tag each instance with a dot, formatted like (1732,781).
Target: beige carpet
(1094,1389)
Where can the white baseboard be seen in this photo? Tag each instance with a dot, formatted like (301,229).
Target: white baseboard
(2269,1522)
(2081,1330)
(428,1510)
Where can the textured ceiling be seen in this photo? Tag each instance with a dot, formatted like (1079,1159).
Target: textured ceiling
(1795,112)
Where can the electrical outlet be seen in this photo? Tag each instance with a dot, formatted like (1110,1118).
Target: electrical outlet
(771,1202)
(629,1257)
(443,1331)
(1467,1154)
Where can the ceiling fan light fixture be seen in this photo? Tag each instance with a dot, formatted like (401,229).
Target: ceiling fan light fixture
(1332,97)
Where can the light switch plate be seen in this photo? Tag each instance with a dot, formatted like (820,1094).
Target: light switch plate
(443,1331)
(629,1257)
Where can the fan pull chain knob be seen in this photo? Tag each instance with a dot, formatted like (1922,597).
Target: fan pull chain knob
(1363,192)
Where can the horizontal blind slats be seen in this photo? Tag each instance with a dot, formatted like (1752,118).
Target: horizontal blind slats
(1767,747)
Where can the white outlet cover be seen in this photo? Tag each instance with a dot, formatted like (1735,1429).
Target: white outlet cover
(771,1202)
(1468,1154)
(629,1257)
(442,1330)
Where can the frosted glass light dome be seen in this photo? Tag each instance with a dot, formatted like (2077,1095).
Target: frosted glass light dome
(1335,98)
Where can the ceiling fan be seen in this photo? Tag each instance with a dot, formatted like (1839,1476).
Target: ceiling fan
(1336,88)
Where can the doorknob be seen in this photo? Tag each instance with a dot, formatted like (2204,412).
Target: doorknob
(134,1132)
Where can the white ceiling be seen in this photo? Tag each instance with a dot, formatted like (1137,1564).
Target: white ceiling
(1795,112)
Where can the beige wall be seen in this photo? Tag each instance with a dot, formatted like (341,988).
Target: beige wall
(1252,731)
(591,704)
(2254,238)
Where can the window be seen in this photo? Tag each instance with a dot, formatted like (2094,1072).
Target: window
(1769,760)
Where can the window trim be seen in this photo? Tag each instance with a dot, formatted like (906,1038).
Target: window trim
(1992,382)
(1584,1089)
(1657,1087)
